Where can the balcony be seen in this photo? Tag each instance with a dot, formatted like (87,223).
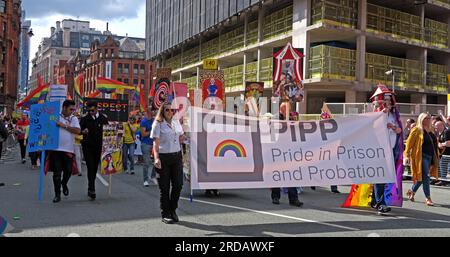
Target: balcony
(328,62)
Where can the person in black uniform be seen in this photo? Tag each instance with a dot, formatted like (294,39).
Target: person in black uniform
(92,130)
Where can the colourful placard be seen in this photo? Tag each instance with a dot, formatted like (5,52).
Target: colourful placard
(111,162)
(43,133)
(210,64)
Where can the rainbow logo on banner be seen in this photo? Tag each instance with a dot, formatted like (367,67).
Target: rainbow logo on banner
(5,227)
(230,146)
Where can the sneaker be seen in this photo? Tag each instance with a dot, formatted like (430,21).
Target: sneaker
(216,193)
(155,181)
(24,161)
(80,174)
(383,209)
(127,172)
(132,172)
(146,184)
(168,221)
(429,202)
(410,195)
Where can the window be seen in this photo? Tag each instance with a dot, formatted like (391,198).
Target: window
(73,53)
(119,79)
(135,82)
(127,69)
(142,69)
(119,68)
(142,82)
(126,81)
(136,69)
(2,6)
(86,45)
(3,55)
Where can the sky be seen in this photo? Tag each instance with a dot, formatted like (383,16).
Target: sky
(124,16)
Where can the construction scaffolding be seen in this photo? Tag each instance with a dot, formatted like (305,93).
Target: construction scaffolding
(332,63)
(437,78)
(408,73)
(335,12)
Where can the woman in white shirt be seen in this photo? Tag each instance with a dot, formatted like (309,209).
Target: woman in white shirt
(167,134)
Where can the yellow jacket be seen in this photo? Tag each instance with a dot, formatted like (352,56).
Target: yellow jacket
(413,151)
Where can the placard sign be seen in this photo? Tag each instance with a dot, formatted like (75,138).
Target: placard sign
(44,134)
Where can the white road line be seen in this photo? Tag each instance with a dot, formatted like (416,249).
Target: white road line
(273,214)
(106,184)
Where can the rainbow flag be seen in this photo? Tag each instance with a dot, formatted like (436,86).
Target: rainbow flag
(5,227)
(78,86)
(43,95)
(94,95)
(108,86)
(138,97)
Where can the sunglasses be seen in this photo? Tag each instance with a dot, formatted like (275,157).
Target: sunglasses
(93,110)
(169,110)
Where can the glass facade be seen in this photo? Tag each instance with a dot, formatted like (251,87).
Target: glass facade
(170,22)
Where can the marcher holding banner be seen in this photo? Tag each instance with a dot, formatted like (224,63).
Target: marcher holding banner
(166,133)
(382,195)
(422,153)
(63,158)
(92,129)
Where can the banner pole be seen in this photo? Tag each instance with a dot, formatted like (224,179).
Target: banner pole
(110,185)
(41,176)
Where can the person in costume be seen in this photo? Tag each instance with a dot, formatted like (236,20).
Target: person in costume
(385,102)
(381,196)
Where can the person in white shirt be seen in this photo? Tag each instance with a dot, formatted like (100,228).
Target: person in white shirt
(61,159)
(167,133)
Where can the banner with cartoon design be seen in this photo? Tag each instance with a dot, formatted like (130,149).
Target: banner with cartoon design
(213,86)
(111,162)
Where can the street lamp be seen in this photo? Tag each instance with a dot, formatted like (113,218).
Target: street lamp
(392,73)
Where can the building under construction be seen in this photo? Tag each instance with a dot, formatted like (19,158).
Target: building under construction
(350,45)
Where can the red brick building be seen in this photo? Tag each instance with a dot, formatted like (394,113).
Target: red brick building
(122,60)
(63,74)
(10,13)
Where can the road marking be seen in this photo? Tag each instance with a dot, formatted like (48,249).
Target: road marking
(73,235)
(273,214)
(373,235)
(106,184)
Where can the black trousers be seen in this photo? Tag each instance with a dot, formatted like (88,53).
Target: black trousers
(292,193)
(34,157)
(92,156)
(61,163)
(171,174)
(1,149)
(23,148)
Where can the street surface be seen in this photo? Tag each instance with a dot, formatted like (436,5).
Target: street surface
(133,211)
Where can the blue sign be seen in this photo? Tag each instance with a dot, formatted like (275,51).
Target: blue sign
(43,133)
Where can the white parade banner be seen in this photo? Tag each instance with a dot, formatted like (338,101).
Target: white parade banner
(237,152)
